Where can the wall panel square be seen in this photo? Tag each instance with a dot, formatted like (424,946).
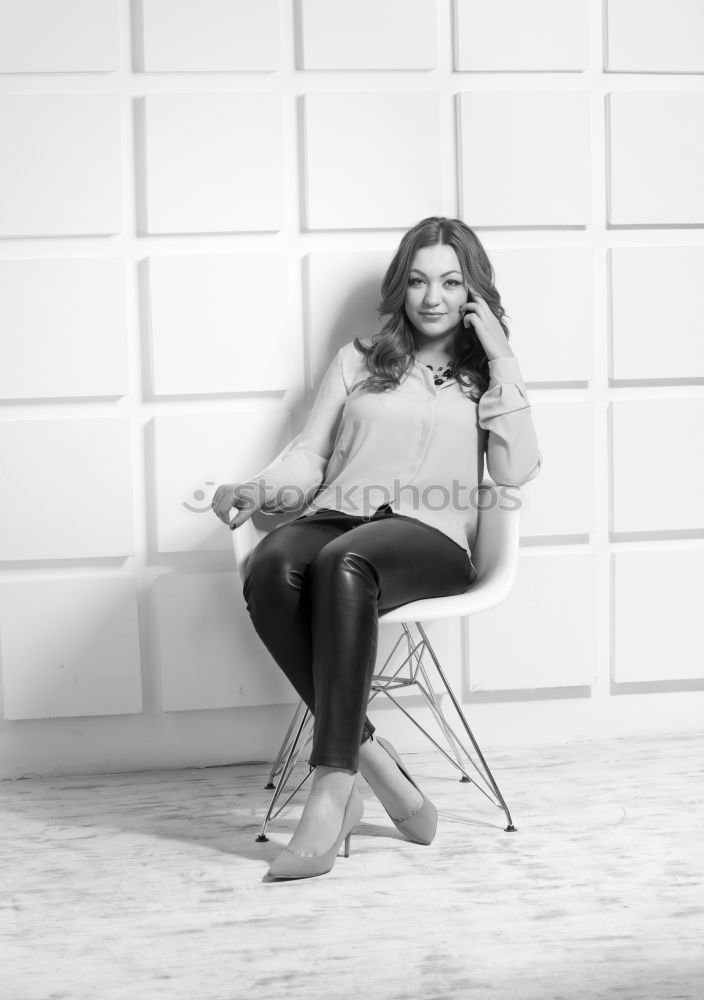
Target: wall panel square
(210,35)
(658,624)
(548,295)
(656,158)
(70,36)
(528,641)
(195,453)
(84,659)
(368,34)
(66,488)
(381,173)
(214,162)
(524,158)
(209,330)
(657,332)
(209,652)
(343,290)
(62,328)
(560,500)
(660,36)
(548,35)
(657,467)
(60,165)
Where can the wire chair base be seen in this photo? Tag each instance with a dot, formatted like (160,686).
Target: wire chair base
(411,672)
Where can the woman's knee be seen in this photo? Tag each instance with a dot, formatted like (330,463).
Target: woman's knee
(272,566)
(337,560)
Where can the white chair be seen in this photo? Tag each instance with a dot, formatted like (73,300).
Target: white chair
(495,558)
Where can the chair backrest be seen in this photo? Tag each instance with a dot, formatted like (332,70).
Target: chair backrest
(498,522)
(495,549)
(244,541)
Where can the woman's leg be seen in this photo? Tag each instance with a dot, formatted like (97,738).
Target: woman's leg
(377,566)
(276,590)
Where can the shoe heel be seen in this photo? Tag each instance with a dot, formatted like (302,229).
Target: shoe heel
(288,864)
(420,828)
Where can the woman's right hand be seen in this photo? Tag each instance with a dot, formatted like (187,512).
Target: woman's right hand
(246,497)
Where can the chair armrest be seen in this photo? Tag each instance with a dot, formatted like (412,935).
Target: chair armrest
(244,540)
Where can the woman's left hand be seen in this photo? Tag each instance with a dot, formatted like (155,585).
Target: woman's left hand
(486,326)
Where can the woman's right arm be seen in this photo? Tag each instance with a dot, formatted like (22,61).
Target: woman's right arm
(300,469)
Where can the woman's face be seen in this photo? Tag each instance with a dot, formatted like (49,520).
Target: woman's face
(436,290)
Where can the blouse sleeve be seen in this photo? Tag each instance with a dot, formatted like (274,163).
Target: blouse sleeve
(512,453)
(298,471)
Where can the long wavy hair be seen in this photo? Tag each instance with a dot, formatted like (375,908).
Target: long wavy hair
(392,350)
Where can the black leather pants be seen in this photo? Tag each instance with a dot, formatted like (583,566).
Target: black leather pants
(314,587)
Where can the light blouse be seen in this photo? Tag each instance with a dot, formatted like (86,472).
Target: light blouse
(419,447)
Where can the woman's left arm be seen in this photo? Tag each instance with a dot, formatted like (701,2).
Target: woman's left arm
(512,453)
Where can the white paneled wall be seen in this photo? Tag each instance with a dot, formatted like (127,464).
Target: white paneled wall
(674,274)
(540,36)
(364,35)
(371,159)
(198,200)
(60,166)
(648,36)
(542,287)
(213,35)
(70,648)
(202,624)
(529,641)
(64,325)
(657,158)
(650,494)
(535,169)
(202,136)
(66,488)
(73,36)
(207,306)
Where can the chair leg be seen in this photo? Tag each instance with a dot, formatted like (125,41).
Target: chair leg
(285,744)
(436,709)
(296,748)
(510,828)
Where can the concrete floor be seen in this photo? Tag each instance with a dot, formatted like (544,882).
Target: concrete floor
(149,885)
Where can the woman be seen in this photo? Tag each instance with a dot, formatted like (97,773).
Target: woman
(400,426)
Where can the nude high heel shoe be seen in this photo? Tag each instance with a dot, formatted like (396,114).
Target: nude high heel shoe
(288,864)
(421,826)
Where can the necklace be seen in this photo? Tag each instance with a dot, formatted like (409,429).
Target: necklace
(441,373)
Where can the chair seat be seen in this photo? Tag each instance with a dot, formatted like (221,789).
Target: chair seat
(479,596)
